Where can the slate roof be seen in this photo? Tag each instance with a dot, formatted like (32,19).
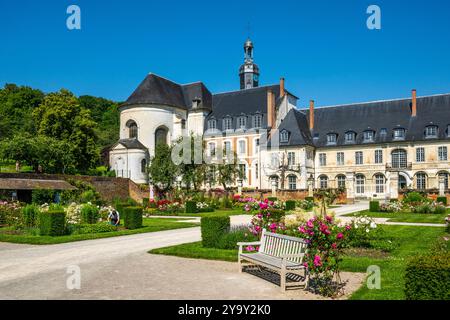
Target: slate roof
(296,123)
(131,144)
(157,90)
(33,184)
(391,114)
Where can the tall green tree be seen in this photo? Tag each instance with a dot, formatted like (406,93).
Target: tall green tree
(162,170)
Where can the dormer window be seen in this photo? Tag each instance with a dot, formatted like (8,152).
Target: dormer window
(242,122)
(350,137)
(228,123)
(369,136)
(331,138)
(399,134)
(431,132)
(284,136)
(257,121)
(212,124)
(383,131)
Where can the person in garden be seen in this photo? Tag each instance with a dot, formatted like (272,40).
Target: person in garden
(114,217)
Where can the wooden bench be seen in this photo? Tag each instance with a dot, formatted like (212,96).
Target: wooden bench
(279,253)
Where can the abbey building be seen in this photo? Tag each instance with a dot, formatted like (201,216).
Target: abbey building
(372,149)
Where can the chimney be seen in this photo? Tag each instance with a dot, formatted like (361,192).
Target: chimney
(414,103)
(271,115)
(311,114)
(282,92)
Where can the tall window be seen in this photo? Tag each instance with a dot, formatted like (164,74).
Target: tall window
(442,153)
(257,121)
(323,181)
(291,158)
(431,132)
(331,138)
(359,157)
(350,137)
(444,176)
(242,122)
(340,158)
(241,145)
(322,159)
(360,184)
(284,136)
(420,154)
(379,183)
(243,170)
(341,181)
(421,179)
(256,171)
(227,147)
(143,165)
(369,136)
(292,182)
(212,149)
(255,146)
(274,161)
(399,159)
(212,124)
(161,136)
(132,129)
(227,123)
(378,156)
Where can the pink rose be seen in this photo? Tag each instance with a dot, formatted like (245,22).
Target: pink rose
(317,261)
(339,236)
(334,246)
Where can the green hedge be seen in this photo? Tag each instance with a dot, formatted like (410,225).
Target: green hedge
(133,217)
(89,214)
(191,206)
(145,202)
(374,206)
(120,207)
(213,228)
(428,277)
(30,215)
(290,205)
(272,199)
(52,223)
(309,199)
(442,200)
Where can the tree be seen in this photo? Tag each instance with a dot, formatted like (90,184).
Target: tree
(283,168)
(228,171)
(162,170)
(193,174)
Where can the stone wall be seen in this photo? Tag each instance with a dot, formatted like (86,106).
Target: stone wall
(109,188)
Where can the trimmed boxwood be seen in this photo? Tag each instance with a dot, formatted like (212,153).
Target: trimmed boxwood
(442,200)
(30,215)
(290,205)
(89,214)
(191,206)
(427,277)
(213,228)
(120,208)
(52,223)
(133,217)
(374,206)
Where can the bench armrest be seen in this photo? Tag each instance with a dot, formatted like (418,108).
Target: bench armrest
(241,244)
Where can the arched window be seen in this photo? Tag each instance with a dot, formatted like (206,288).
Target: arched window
(292,182)
(369,135)
(242,122)
(143,166)
(212,124)
(284,136)
(431,132)
(399,159)
(323,182)
(444,177)
(161,135)
(360,184)
(331,138)
(341,181)
(132,129)
(399,134)
(379,183)
(421,181)
(350,137)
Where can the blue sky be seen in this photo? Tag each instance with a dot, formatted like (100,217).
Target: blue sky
(322,48)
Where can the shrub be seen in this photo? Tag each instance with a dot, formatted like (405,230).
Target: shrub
(212,229)
(290,205)
(191,206)
(30,215)
(133,217)
(88,196)
(11,214)
(309,199)
(95,228)
(226,203)
(427,277)
(442,200)
(145,202)
(52,223)
(89,214)
(414,197)
(230,239)
(40,196)
(273,199)
(374,206)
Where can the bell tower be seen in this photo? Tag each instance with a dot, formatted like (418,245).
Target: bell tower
(249,71)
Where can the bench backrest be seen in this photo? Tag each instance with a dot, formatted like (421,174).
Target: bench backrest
(277,245)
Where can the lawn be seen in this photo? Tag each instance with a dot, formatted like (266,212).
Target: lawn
(410,242)
(221,212)
(404,217)
(149,225)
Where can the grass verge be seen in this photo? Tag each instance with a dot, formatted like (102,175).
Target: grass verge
(404,217)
